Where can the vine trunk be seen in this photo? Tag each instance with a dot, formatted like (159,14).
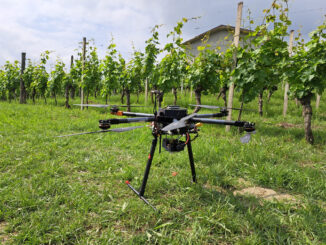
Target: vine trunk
(307,115)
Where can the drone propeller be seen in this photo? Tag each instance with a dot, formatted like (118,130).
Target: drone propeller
(117,130)
(247,137)
(105,106)
(178,124)
(221,107)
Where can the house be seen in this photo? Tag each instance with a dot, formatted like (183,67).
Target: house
(220,36)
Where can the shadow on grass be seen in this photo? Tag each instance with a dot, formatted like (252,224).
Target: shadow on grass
(266,219)
(295,133)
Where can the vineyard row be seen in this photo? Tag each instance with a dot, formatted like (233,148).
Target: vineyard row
(261,65)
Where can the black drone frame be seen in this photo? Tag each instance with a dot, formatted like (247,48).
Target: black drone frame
(171,120)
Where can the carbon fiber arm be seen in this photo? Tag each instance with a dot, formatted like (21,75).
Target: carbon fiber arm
(217,121)
(248,126)
(220,114)
(136,114)
(127,120)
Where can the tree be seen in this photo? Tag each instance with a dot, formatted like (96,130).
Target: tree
(136,74)
(172,68)
(67,83)
(40,77)
(306,74)
(131,74)
(121,73)
(57,78)
(28,78)
(75,75)
(89,77)
(204,73)
(227,65)
(92,74)
(150,71)
(12,78)
(3,89)
(258,68)
(109,69)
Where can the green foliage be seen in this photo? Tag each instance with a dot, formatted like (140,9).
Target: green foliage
(12,78)
(150,56)
(204,72)
(133,73)
(91,73)
(28,77)
(40,77)
(87,74)
(3,88)
(130,75)
(258,66)
(67,81)
(306,69)
(261,65)
(55,84)
(227,66)
(121,70)
(109,70)
(75,73)
(172,68)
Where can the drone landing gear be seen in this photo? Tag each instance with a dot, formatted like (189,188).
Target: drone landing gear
(191,160)
(148,167)
(141,192)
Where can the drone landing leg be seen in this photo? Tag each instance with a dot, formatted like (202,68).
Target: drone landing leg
(191,160)
(148,167)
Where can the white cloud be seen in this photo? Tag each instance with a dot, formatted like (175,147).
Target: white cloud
(59,25)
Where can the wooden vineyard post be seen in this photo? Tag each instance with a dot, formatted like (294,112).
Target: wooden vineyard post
(296,102)
(191,90)
(82,79)
(68,87)
(22,99)
(236,44)
(318,101)
(146,91)
(72,90)
(71,61)
(286,89)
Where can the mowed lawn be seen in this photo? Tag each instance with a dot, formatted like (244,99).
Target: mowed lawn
(72,190)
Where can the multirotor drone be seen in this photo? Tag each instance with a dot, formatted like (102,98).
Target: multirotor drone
(171,122)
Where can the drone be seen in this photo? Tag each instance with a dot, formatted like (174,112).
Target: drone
(172,123)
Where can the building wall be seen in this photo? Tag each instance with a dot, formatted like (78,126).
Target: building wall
(223,39)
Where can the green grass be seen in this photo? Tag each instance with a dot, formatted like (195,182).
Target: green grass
(71,190)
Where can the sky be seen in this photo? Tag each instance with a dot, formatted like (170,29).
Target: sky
(33,26)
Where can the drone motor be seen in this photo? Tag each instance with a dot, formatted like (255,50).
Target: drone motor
(104,124)
(249,127)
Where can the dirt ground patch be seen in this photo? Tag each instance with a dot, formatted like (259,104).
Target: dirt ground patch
(291,125)
(264,193)
(213,187)
(241,182)
(288,125)
(3,237)
(307,164)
